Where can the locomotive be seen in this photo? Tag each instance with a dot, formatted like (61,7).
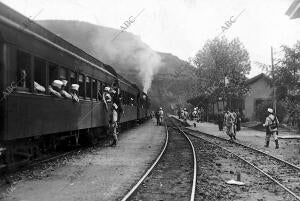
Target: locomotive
(32,122)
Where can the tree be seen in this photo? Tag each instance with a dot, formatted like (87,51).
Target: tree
(220,59)
(286,80)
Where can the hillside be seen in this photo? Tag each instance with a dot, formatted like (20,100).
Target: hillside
(163,75)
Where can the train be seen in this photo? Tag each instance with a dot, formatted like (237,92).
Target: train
(32,123)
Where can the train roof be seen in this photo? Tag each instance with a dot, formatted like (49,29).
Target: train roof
(11,16)
(26,23)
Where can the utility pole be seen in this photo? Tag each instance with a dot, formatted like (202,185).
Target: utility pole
(273,81)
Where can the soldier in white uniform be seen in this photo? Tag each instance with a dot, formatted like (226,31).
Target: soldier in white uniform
(55,87)
(271,125)
(113,123)
(74,91)
(185,115)
(160,116)
(63,92)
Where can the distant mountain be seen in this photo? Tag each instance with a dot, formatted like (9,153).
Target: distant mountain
(170,76)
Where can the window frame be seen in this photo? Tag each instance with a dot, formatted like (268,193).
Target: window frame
(45,74)
(81,87)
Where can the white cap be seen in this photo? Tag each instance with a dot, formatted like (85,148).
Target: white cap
(115,106)
(75,87)
(106,88)
(270,110)
(112,91)
(131,99)
(184,108)
(57,83)
(160,108)
(65,82)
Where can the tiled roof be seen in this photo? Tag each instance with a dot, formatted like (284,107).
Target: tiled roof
(258,77)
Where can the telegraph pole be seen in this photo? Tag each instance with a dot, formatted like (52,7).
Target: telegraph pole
(273,81)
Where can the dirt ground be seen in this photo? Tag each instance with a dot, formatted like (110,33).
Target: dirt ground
(289,148)
(215,167)
(97,174)
(171,179)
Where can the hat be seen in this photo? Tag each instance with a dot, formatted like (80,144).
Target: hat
(184,108)
(106,88)
(75,87)
(65,82)
(160,108)
(195,108)
(270,110)
(115,106)
(57,83)
(112,91)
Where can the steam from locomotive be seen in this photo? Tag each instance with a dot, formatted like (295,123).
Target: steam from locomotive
(130,54)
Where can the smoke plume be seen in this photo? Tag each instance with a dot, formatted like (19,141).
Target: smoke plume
(130,54)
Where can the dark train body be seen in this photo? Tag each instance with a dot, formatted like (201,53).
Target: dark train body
(30,121)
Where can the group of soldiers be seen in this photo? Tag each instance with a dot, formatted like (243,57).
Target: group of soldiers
(110,95)
(58,89)
(113,95)
(232,121)
(197,114)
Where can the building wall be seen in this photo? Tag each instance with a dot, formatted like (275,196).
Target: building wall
(258,90)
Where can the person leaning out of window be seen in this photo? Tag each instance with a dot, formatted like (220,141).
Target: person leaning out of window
(63,92)
(74,92)
(55,88)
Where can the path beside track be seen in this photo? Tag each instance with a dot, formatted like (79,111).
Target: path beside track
(101,174)
(289,148)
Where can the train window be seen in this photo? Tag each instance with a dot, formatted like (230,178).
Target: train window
(62,73)
(39,74)
(73,79)
(23,70)
(88,83)
(94,88)
(99,91)
(81,85)
(53,72)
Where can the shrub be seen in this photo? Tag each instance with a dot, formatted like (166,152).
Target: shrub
(261,110)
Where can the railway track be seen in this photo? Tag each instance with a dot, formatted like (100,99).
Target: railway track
(172,176)
(284,174)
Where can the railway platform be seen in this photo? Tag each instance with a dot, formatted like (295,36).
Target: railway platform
(289,143)
(104,173)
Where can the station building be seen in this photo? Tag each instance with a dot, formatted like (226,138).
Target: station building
(260,89)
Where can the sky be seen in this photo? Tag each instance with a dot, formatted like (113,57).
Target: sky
(181,27)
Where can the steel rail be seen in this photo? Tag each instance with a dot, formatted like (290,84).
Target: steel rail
(134,188)
(252,165)
(243,145)
(195,164)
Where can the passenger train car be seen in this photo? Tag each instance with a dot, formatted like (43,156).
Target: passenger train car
(31,122)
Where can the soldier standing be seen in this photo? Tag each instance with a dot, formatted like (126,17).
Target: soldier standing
(220,120)
(228,119)
(113,123)
(185,116)
(271,125)
(161,116)
(234,122)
